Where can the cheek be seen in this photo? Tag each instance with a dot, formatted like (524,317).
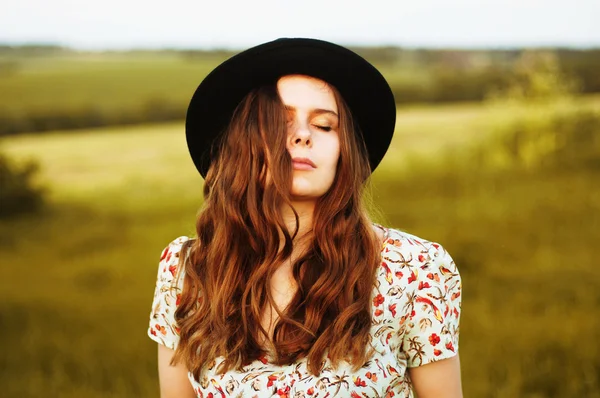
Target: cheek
(334,151)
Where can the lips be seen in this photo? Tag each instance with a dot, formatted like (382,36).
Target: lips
(303,164)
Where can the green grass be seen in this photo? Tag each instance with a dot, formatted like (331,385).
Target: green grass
(106,82)
(78,278)
(112,82)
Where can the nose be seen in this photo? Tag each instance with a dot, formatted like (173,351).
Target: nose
(300,136)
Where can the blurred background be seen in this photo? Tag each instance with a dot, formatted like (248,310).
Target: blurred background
(496,156)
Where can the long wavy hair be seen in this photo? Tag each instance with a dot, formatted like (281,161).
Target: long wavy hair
(228,268)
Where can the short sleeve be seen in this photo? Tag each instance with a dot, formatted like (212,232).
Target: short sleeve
(432,325)
(169,283)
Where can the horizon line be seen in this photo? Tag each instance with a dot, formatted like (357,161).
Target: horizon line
(216,48)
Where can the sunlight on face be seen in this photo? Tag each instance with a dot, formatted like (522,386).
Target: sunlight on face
(312,140)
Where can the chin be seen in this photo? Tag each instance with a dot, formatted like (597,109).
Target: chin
(300,196)
(305,193)
(303,189)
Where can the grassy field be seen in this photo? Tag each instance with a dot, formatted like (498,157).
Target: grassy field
(117,81)
(92,90)
(78,278)
(110,82)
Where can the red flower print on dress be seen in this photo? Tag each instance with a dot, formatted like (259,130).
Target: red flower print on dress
(450,346)
(422,258)
(434,339)
(378,300)
(218,387)
(172,269)
(395,242)
(283,392)
(437,352)
(161,329)
(388,337)
(164,253)
(392,308)
(272,378)
(423,285)
(378,312)
(412,277)
(371,376)
(399,274)
(310,391)
(359,382)
(353,394)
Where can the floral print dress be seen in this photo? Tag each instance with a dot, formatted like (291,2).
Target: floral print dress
(416,302)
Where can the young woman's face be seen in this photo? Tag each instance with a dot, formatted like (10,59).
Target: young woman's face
(312,138)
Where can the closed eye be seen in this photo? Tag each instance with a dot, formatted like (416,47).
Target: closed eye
(324,128)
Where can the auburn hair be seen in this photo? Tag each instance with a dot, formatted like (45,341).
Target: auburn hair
(228,268)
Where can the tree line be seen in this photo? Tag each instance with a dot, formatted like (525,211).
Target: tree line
(415,75)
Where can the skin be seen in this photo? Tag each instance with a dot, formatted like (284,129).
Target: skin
(437,379)
(312,133)
(173,380)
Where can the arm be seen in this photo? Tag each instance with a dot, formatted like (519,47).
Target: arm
(163,329)
(174,382)
(439,379)
(431,331)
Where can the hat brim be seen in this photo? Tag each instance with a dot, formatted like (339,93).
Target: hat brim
(362,86)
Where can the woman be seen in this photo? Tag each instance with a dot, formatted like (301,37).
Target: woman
(289,290)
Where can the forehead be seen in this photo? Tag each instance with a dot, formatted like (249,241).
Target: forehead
(305,93)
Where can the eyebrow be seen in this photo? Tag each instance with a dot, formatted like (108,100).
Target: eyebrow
(316,110)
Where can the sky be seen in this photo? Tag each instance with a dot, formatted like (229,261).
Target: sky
(125,24)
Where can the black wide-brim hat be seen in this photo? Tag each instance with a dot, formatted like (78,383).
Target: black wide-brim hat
(362,86)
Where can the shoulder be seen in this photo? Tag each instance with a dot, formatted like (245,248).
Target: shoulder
(173,249)
(425,288)
(163,327)
(412,249)
(410,260)
(170,259)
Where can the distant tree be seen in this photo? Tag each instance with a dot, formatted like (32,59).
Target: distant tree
(563,135)
(584,64)
(18,191)
(536,75)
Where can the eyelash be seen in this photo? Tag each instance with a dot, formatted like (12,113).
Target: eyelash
(323,128)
